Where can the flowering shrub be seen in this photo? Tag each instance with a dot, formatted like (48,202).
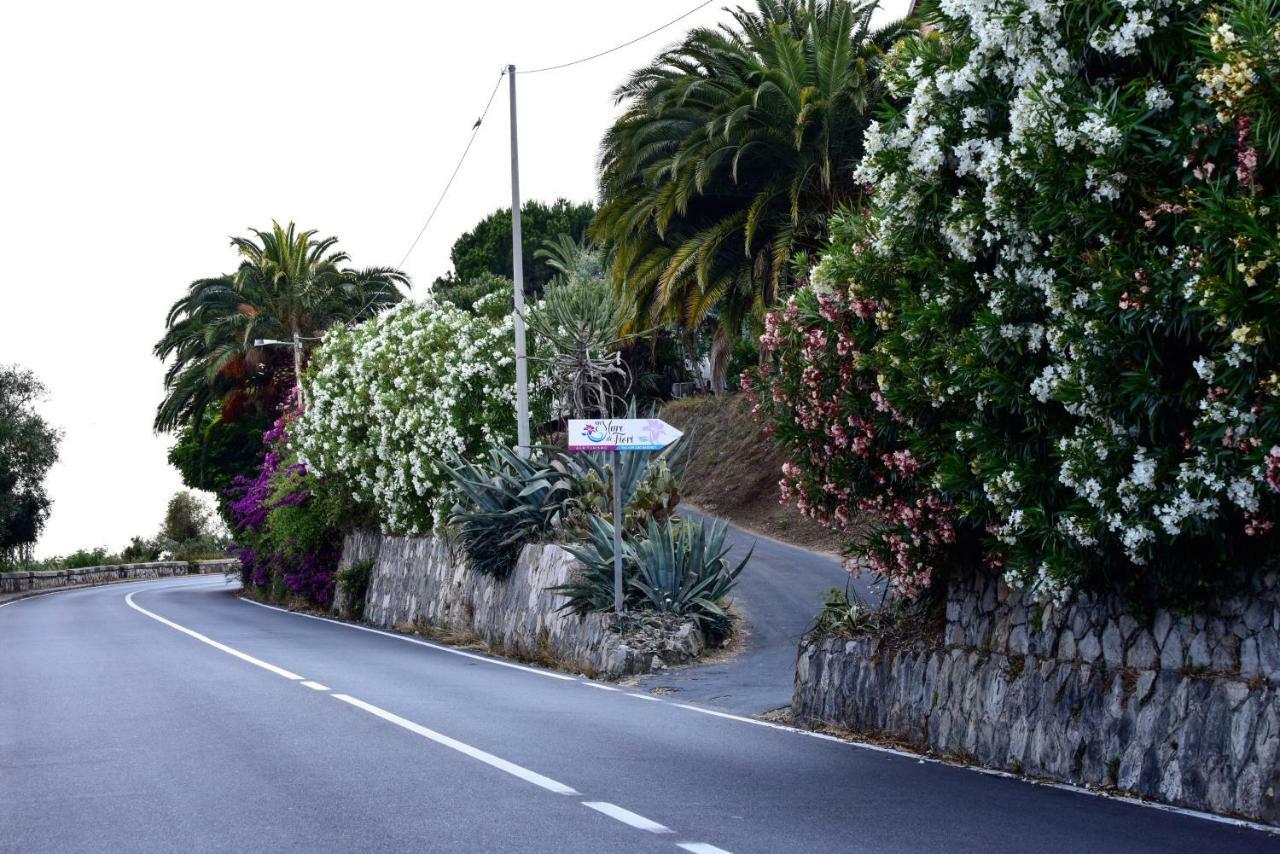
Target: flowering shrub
(389,398)
(286,524)
(1051,337)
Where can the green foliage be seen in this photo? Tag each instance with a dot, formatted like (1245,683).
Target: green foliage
(485,291)
(28,449)
(578,326)
(88,557)
(486,250)
(508,502)
(673,567)
(212,455)
(682,568)
(290,285)
(1049,340)
(733,150)
(354,582)
(186,518)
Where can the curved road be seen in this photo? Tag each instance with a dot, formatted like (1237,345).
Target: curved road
(777,596)
(171,716)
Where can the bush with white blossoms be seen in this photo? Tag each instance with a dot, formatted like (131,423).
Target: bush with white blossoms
(1050,340)
(387,398)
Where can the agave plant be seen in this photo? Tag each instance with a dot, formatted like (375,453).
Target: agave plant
(508,501)
(591,588)
(682,568)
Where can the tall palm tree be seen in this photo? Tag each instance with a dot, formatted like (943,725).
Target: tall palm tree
(289,285)
(734,149)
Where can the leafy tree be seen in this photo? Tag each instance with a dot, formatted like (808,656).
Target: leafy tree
(186,518)
(486,249)
(211,454)
(28,449)
(289,285)
(734,149)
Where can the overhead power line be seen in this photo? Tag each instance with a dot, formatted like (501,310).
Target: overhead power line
(618,47)
(475,129)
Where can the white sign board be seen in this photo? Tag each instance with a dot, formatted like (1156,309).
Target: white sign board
(620,434)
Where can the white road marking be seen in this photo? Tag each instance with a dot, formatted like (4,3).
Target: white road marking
(465,749)
(315,686)
(644,697)
(406,639)
(626,816)
(700,848)
(591,684)
(257,662)
(861,745)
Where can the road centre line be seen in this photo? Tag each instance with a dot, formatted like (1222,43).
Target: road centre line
(463,748)
(406,639)
(257,662)
(846,742)
(612,810)
(627,817)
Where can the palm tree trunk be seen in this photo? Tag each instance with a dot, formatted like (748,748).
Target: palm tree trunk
(721,345)
(297,362)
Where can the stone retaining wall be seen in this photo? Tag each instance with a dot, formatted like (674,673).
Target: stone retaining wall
(1184,709)
(423,580)
(54,579)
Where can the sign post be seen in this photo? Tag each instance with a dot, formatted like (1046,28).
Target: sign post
(618,435)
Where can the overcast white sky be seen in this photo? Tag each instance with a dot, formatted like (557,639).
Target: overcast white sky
(139,136)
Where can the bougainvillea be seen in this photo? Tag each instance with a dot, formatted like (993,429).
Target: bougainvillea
(388,398)
(1053,331)
(286,523)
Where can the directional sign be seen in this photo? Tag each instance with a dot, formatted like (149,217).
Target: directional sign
(621,434)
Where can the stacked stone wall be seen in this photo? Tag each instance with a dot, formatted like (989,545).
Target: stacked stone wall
(426,582)
(87,576)
(1182,708)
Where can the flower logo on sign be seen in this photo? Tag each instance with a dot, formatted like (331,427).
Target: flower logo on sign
(594,432)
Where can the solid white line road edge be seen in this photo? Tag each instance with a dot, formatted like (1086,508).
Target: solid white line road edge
(859,745)
(315,686)
(406,639)
(518,771)
(222,647)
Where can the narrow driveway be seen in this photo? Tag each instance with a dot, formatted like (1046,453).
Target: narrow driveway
(778,596)
(171,716)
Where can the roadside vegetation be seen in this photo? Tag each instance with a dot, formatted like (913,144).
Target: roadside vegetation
(28,449)
(1000,290)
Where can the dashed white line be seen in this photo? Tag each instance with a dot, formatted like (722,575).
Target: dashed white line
(427,644)
(463,748)
(316,686)
(257,662)
(700,848)
(627,816)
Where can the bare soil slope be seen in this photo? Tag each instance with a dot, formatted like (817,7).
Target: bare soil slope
(733,471)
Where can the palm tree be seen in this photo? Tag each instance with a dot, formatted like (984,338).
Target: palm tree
(734,149)
(289,285)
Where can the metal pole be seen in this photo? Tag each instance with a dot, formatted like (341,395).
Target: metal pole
(617,532)
(517,282)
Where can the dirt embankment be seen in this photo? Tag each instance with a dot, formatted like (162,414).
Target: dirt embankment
(733,471)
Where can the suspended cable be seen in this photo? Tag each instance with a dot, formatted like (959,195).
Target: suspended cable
(618,47)
(475,128)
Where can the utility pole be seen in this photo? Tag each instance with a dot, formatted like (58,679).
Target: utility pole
(517,281)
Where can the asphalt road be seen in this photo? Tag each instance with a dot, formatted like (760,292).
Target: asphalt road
(777,597)
(171,716)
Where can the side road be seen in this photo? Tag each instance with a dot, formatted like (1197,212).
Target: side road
(778,596)
(171,716)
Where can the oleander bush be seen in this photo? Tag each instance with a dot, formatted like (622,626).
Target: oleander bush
(390,398)
(1048,339)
